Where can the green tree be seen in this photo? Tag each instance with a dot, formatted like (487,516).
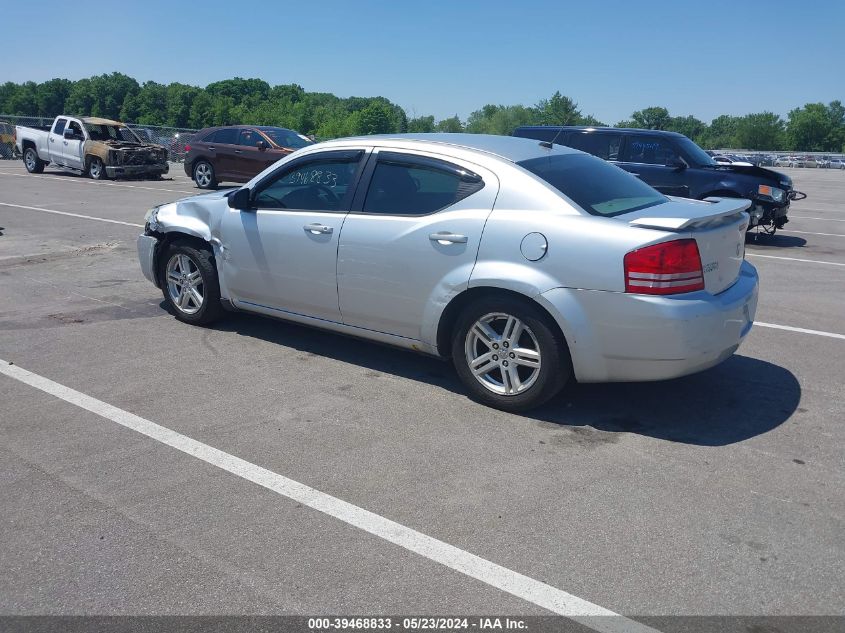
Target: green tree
(421,124)
(50,96)
(810,128)
(653,118)
(689,126)
(558,110)
(721,132)
(376,118)
(763,130)
(452,124)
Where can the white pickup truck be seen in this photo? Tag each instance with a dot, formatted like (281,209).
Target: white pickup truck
(100,148)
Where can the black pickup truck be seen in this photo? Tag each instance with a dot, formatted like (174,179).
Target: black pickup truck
(675,166)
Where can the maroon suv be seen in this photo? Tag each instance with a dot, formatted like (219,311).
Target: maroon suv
(236,153)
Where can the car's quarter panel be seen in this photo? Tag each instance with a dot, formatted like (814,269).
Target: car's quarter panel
(616,336)
(393,276)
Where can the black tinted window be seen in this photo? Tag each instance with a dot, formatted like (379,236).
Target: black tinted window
(604,146)
(596,186)
(650,149)
(319,185)
(417,188)
(60,126)
(250,138)
(227,136)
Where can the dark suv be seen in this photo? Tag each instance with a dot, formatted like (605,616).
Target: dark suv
(675,166)
(237,153)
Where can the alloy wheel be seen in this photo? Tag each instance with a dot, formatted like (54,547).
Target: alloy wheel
(503,354)
(185,284)
(202,174)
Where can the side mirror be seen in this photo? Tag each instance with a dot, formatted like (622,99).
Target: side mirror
(240,199)
(68,134)
(261,145)
(678,164)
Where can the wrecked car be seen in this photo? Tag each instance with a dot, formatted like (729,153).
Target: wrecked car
(99,148)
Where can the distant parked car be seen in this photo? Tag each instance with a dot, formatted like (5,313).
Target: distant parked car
(7,140)
(810,161)
(837,163)
(237,153)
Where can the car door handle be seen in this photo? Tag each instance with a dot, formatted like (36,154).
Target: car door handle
(317,229)
(444,237)
(237,151)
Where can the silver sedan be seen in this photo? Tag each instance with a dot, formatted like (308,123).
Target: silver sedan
(526,263)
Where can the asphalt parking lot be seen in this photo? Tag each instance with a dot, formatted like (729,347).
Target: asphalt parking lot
(716,494)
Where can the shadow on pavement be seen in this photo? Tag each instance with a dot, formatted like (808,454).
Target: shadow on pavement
(777,240)
(739,399)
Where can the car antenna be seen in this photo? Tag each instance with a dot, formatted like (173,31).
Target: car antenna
(552,142)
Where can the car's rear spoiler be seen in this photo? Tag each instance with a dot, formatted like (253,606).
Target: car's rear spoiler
(719,211)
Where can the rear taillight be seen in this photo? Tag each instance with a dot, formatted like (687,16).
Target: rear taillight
(664,269)
(187,148)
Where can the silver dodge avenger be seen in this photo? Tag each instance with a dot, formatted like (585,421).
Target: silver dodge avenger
(529,264)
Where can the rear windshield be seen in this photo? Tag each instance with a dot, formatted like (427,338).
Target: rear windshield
(286,138)
(596,186)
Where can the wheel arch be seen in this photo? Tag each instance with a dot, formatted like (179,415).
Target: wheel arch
(166,239)
(450,314)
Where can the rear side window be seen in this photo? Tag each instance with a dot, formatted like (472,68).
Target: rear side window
(650,150)
(604,146)
(60,126)
(596,186)
(406,185)
(227,136)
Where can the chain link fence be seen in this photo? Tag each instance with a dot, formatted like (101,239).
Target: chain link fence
(173,139)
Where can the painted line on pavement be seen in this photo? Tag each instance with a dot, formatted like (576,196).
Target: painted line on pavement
(811,233)
(531,590)
(94,182)
(68,213)
(802,330)
(807,217)
(795,259)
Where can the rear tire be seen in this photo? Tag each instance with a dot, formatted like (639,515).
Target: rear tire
(189,282)
(96,170)
(204,175)
(509,354)
(33,164)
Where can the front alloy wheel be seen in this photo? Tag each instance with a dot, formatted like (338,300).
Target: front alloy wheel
(503,354)
(185,284)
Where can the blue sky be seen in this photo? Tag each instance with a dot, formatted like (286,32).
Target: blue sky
(704,58)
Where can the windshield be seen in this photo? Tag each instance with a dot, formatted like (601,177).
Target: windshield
(286,138)
(593,184)
(111,133)
(699,156)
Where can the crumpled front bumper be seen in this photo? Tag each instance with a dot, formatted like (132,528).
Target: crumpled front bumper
(137,170)
(147,249)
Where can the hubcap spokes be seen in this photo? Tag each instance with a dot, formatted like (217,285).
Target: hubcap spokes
(185,284)
(503,354)
(203,175)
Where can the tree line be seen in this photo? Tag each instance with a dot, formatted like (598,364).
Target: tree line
(813,127)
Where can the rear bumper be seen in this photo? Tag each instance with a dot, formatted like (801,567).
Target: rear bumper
(615,336)
(137,170)
(147,247)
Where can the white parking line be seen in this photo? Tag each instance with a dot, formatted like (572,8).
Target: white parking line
(93,182)
(807,217)
(795,259)
(73,215)
(811,233)
(802,330)
(539,593)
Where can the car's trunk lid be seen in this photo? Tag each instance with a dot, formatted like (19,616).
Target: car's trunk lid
(718,226)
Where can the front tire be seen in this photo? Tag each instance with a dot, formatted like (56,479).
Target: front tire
(33,164)
(509,355)
(190,284)
(204,175)
(96,169)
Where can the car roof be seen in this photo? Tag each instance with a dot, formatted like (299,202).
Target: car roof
(95,120)
(593,128)
(511,148)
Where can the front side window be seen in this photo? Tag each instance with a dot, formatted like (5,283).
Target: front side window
(650,150)
(317,185)
(604,146)
(596,186)
(286,138)
(405,186)
(250,138)
(75,128)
